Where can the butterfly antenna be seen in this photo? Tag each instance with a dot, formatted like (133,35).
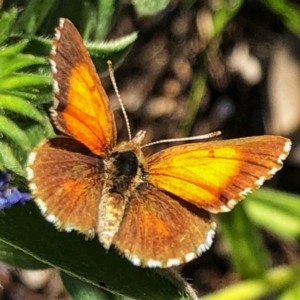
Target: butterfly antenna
(192,138)
(113,80)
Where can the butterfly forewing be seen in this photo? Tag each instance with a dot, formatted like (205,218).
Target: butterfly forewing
(81,107)
(216,175)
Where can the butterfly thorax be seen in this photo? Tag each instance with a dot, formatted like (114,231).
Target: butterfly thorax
(124,170)
(121,168)
(125,167)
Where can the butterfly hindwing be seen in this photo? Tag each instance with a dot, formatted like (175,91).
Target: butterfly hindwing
(66,183)
(160,231)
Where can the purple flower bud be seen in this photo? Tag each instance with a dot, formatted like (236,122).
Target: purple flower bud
(10,195)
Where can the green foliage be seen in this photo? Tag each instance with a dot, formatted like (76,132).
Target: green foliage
(275,211)
(149,7)
(6,22)
(272,282)
(244,239)
(218,18)
(79,289)
(288,11)
(85,260)
(98,18)
(18,91)
(18,258)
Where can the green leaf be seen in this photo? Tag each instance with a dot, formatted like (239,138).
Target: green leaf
(20,106)
(11,64)
(40,46)
(89,20)
(149,7)
(97,18)
(273,280)
(24,228)
(276,211)
(14,132)
(23,80)
(33,15)
(13,156)
(113,50)
(9,160)
(36,132)
(288,11)
(17,258)
(21,94)
(105,15)
(81,290)
(244,240)
(291,293)
(7,20)
(195,97)
(13,49)
(112,46)
(223,13)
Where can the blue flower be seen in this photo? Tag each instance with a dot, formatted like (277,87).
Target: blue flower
(10,195)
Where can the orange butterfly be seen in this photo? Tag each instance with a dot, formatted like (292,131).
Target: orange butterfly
(155,210)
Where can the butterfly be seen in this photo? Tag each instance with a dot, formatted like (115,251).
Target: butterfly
(156,210)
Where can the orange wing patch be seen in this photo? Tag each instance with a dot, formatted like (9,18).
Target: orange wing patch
(216,175)
(85,116)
